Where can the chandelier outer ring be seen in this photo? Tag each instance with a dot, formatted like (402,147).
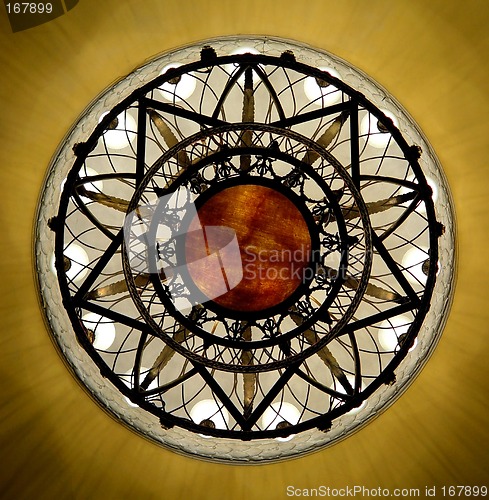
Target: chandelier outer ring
(45,215)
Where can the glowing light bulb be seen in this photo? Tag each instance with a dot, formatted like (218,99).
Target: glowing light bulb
(179,88)
(231,68)
(391,330)
(128,379)
(377,136)
(103,328)
(209,410)
(76,262)
(122,134)
(319,94)
(414,263)
(243,50)
(342,390)
(96,187)
(434,188)
(421,208)
(278,413)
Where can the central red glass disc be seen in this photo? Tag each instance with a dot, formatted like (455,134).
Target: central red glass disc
(248,247)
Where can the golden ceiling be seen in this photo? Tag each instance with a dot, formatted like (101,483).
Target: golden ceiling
(432,56)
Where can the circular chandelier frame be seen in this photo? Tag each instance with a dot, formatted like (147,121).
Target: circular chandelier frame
(340,348)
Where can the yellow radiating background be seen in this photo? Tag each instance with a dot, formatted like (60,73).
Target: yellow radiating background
(432,56)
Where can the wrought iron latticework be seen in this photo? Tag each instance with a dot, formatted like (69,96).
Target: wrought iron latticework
(326,200)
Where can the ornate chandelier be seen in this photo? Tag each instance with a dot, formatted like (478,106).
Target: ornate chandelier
(245,249)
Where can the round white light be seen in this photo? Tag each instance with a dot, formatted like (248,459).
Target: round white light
(230,68)
(341,389)
(103,329)
(322,96)
(128,379)
(391,329)
(413,261)
(96,186)
(208,409)
(244,50)
(370,131)
(434,188)
(177,91)
(78,259)
(280,412)
(123,134)
(421,208)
